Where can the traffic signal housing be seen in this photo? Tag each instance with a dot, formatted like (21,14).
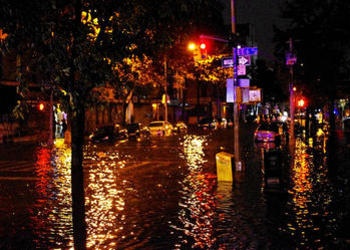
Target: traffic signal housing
(301,102)
(41,106)
(203,47)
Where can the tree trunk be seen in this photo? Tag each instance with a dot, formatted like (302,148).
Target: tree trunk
(78,195)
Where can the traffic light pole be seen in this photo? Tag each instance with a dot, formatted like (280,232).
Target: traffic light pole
(166,89)
(291,97)
(236,103)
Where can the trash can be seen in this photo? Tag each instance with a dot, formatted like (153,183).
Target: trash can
(224,166)
(272,168)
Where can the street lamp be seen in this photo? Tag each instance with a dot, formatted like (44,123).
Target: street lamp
(238,162)
(191,46)
(236,102)
(290,61)
(166,89)
(195,49)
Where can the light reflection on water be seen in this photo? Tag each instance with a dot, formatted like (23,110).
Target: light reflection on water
(147,201)
(308,211)
(197,204)
(51,215)
(105,201)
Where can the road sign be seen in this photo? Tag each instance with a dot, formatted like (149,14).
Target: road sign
(290,59)
(244,82)
(241,70)
(230,98)
(244,60)
(247,51)
(227,62)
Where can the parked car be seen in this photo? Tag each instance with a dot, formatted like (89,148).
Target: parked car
(108,133)
(208,123)
(222,122)
(163,128)
(229,123)
(267,132)
(346,129)
(134,130)
(180,127)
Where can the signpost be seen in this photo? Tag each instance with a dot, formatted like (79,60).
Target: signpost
(241,70)
(241,57)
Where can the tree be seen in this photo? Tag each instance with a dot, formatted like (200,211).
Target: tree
(321,41)
(56,49)
(159,41)
(71,47)
(321,38)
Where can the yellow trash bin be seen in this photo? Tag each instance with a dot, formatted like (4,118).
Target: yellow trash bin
(224,166)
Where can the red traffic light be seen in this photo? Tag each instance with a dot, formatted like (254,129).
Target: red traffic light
(41,106)
(203,50)
(301,103)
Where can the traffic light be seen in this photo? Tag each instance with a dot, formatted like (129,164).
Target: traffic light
(203,50)
(41,106)
(301,103)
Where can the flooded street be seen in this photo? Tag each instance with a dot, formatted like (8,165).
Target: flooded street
(164,194)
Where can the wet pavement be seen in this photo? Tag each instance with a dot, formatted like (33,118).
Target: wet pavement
(164,194)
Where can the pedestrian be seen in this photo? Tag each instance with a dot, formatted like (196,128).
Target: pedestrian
(64,127)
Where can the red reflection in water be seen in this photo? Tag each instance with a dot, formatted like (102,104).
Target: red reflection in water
(43,170)
(51,211)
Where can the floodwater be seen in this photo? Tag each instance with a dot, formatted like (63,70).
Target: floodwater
(164,194)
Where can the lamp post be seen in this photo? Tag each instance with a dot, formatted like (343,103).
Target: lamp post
(236,104)
(165,89)
(194,48)
(290,61)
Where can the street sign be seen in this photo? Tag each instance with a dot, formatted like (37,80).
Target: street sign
(230,91)
(290,59)
(244,82)
(241,70)
(244,60)
(251,95)
(247,51)
(227,62)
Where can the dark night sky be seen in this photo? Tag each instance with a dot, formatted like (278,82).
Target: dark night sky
(262,15)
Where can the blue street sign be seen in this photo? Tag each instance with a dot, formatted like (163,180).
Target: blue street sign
(247,51)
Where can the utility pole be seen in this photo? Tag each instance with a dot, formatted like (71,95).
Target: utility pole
(291,59)
(165,89)
(233,17)
(236,104)
(236,88)
(51,125)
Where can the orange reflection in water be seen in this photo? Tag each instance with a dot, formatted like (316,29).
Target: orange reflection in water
(197,202)
(300,194)
(104,201)
(310,198)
